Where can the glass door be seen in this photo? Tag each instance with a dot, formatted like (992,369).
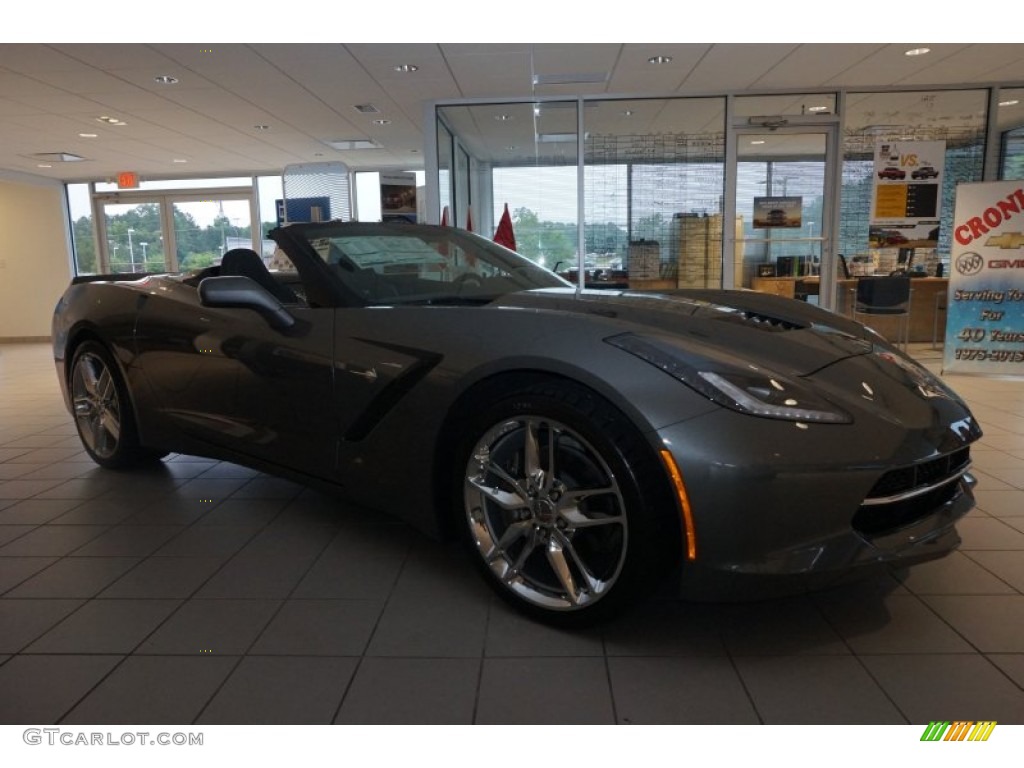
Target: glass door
(783,212)
(131,237)
(206,229)
(146,232)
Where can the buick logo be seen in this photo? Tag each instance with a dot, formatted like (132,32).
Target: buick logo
(969,263)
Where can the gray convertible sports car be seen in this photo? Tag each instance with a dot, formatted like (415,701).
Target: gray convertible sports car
(588,445)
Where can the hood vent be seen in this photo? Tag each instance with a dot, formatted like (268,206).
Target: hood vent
(763,321)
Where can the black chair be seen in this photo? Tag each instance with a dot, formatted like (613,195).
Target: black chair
(245,262)
(888,297)
(941,307)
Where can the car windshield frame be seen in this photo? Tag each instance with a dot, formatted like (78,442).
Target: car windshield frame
(383,264)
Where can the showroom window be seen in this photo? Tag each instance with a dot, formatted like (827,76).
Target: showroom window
(526,159)
(1011,132)
(956,118)
(653,189)
(169,224)
(444,165)
(656,170)
(653,176)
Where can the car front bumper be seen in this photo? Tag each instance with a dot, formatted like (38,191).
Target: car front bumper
(788,513)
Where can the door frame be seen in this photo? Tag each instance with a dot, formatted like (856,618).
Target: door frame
(166,200)
(828,237)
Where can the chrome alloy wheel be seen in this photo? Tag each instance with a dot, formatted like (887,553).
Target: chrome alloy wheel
(97,407)
(546,513)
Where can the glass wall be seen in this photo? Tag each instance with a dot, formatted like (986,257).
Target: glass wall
(656,175)
(524,156)
(956,118)
(1010,120)
(653,184)
(83,228)
(169,224)
(444,166)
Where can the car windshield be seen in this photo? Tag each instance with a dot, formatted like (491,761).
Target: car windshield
(419,264)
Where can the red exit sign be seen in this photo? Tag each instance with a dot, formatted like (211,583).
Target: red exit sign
(127,180)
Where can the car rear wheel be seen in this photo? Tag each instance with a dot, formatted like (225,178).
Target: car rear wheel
(102,410)
(564,505)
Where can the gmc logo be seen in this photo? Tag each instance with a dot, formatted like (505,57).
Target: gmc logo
(1006,264)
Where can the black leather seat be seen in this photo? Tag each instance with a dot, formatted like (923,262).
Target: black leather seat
(245,262)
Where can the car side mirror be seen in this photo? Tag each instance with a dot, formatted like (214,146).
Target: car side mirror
(229,292)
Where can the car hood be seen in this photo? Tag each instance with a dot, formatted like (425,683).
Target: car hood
(849,364)
(785,335)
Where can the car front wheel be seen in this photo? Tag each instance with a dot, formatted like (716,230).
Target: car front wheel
(102,410)
(564,505)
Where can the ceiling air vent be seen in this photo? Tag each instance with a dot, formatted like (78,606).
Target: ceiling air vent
(57,157)
(571,77)
(344,144)
(367,109)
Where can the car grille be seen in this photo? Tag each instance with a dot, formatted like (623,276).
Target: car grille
(905,495)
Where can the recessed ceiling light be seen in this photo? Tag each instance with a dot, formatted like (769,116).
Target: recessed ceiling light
(627,112)
(44,165)
(503,118)
(406,68)
(262,127)
(510,147)
(917,52)
(382,121)
(180,160)
(759,141)
(1009,103)
(817,109)
(166,79)
(108,120)
(89,135)
(659,60)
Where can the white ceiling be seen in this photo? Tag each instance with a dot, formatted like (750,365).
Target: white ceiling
(306,94)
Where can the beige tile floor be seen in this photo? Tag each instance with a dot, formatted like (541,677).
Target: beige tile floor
(273,604)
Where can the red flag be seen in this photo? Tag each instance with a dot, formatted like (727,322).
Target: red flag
(469,219)
(442,246)
(504,234)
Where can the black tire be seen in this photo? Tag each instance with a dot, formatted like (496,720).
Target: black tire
(102,410)
(576,545)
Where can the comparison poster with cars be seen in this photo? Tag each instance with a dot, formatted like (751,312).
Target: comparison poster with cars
(985,319)
(907,194)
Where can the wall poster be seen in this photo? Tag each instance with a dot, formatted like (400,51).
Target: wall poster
(985,319)
(907,194)
(772,212)
(398,196)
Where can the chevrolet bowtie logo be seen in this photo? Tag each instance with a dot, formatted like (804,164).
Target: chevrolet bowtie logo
(1006,240)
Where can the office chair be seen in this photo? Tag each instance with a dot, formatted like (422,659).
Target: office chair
(941,306)
(885,297)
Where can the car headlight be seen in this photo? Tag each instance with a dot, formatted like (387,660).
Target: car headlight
(752,390)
